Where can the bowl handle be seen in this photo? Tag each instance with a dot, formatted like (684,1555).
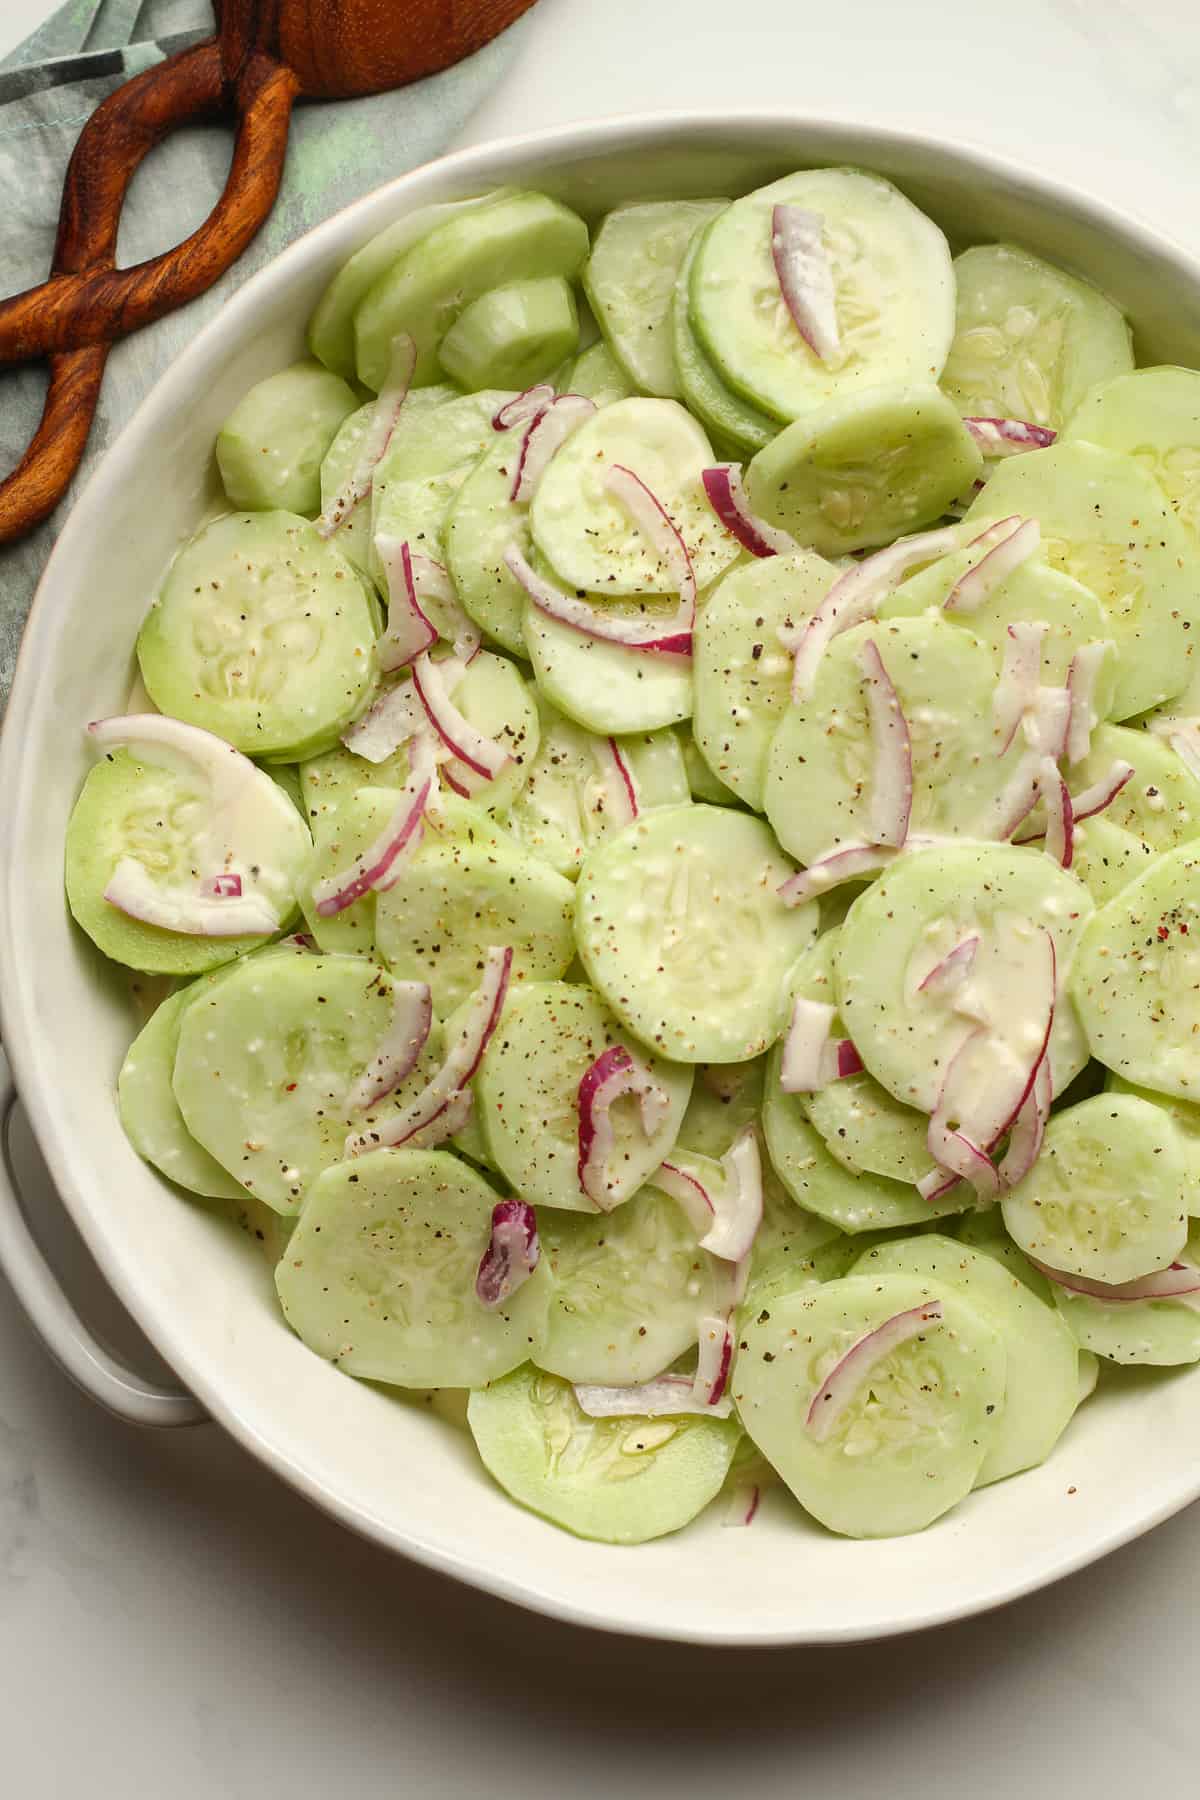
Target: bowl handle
(76,1351)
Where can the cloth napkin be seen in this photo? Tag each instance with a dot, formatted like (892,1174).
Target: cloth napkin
(50,85)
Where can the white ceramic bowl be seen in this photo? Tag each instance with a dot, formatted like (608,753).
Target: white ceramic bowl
(195,1286)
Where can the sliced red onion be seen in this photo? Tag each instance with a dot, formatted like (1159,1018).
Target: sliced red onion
(849,1062)
(395,717)
(299,940)
(1183,735)
(1017,546)
(854,597)
(848,1375)
(546,433)
(1020,676)
(1082,676)
(1047,723)
(669,637)
(409,629)
(743,1504)
(1092,800)
(681,1181)
(1060,819)
(380,866)
(512,1253)
(857,862)
(1179,1281)
(713,1363)
(133,890)
(525,406)
(803,1065)
(947,976)
(481,754)
(1028,1129)
(960,1156)
(656,525)
(892,761)
(620,791)
(738,1207)
(1009,437)
(445,1103)
(664,1397)
(727,496)
(1009,809)
(402,1044)
(222,887)
(169,743)
(613,1074)
(806,279)
(384,417)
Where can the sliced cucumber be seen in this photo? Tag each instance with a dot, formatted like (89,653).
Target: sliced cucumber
(589,538)
(1030,340)
(728,417)
(1154,416)
(1041,1357)
(1106,523)
(608,688)
(703,785)
(353,536)
(566,804)
(741,673)
(550,1034)
(1106,859)
(914,915)
(1108,1195)
(1162,1333)
(681,929)
(726,1097)
(481,523)
(161,818)
(1160,803)
(630,278)
(362,818)
(328,781)
(1185,1116)
(620,1481)
(598,376)
(268,1054)
(818,788)
(853,1201)
(864,469)
(911,1441)
(457,897)
(150,1112)
(494,697)
(512,336)
(628,1291)
(379,1277)
(270,448)
(262,633)
(1136,974)
(331,328)
(430,455)
(894,292)
(518,237)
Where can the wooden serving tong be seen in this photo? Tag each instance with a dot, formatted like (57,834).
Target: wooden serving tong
(264,56)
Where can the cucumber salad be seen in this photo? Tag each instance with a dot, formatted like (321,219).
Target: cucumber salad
(661,816)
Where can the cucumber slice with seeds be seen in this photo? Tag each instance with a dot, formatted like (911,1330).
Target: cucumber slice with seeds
(630,279)
(681,929)
(1160,803)
(270,448)
(1154,416)
(379,1277)
(150,1112)
(261,633)
(620,1481)
(609,688)
(512,336)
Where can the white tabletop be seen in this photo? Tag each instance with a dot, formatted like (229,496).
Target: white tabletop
(172,1620)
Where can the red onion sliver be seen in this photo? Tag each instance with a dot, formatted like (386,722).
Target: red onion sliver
(738,1205)
(446,1103)
(854,597)
(849,1062)
(949,974)
(1179,1281)
(613,1074)
(656,524)
(525,406)
(1060,819)
(409,629)
(1092,800)
(1048,721)
(848,1375)
(1028,1129)
(382,863)
(857,862)
(1082,676)
(726,494)
(670,637)
(400,1048)
(481,754)
(892,763)
(665,1396)
(1020,674)
(222,887)
(134,891)
(743,1504)
(395,716)
(1008,437)
(960,1156)
(512,1253)
(713,1363)
(545,435)
(620,791)
(972,589)
(1009,809)
(384,416)
(685,1186)
(806,278)
(803,1065)
(1183,736)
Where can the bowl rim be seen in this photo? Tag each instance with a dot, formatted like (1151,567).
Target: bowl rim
(485,162)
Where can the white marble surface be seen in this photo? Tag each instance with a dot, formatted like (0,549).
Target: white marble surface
(173,1620)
